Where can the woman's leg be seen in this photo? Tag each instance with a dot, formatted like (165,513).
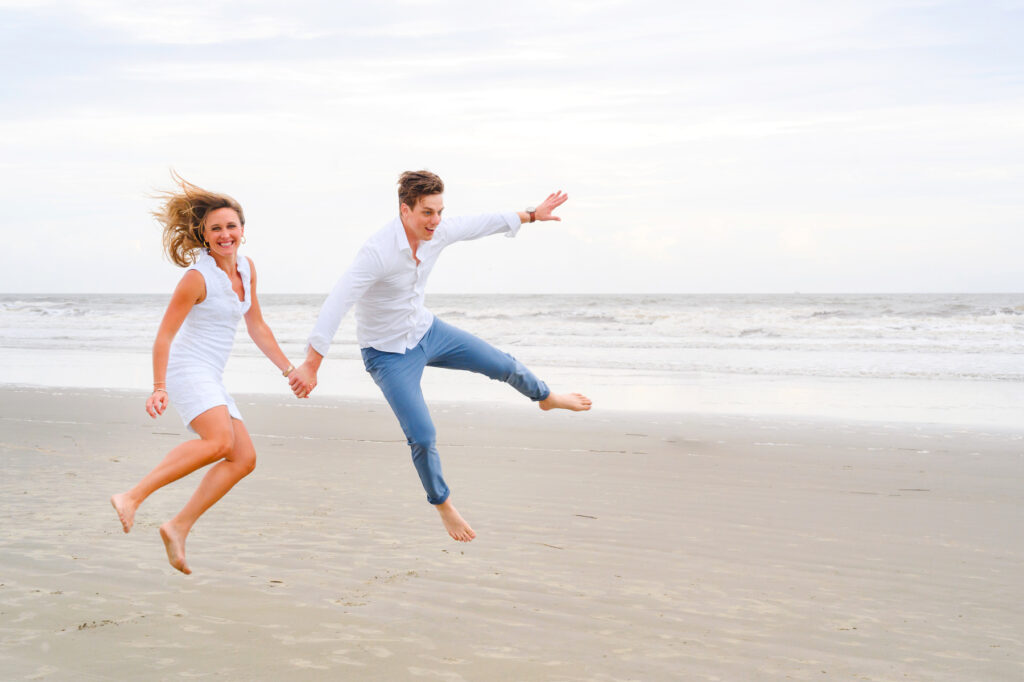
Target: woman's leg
(236,465)
(215,442)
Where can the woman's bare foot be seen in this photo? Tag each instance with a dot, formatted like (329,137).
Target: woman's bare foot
(454,523)
(125,510)
(566,401)
(174,543)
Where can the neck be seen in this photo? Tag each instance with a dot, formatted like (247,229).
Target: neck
(226,263)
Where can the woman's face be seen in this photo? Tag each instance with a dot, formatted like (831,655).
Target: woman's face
(223,231)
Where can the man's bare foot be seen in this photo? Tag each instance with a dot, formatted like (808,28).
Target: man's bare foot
(174,543)
(125,510)
(454,523)
(566,401)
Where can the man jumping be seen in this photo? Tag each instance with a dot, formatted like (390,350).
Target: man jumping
(398,336)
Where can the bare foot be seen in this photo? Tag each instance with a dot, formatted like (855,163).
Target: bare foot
(566,401)
(125,510)
(454,523)
(175,546)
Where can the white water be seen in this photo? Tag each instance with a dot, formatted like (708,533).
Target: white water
(932,358)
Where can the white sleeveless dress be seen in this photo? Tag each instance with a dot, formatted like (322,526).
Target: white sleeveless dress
(200,349)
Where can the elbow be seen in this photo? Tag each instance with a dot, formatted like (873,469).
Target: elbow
(162,344)
(259,332)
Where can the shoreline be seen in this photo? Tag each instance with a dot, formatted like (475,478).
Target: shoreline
(503,400)
(611,546)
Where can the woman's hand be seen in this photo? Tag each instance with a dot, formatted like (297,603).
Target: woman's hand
(302,380)
(156,403)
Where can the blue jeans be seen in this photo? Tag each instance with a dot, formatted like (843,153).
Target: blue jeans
(398,376)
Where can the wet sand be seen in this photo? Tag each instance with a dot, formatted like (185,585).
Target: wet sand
(611,546)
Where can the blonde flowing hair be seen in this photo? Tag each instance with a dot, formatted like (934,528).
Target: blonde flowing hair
(183,218)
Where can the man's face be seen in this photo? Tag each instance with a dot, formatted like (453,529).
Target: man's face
(421,220)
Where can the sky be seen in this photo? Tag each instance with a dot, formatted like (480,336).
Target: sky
(860,146)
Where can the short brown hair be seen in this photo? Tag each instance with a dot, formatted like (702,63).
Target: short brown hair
(414,184)
(183,219)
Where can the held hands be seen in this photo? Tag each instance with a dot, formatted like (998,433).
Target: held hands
(156,403)
(302,380)
(545,208)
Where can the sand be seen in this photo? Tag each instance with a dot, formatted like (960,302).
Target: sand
(612,546)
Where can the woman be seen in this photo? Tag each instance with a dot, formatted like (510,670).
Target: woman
(202,231)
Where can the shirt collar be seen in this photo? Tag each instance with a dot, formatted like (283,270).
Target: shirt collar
(401,240)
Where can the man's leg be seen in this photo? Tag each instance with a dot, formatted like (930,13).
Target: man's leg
(453,348)
(398,376)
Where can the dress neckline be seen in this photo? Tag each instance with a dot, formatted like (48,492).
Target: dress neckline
(226,281)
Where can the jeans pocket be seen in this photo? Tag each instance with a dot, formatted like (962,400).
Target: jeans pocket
(373,359)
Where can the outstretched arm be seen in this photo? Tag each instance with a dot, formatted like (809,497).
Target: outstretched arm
(545,209)
(465,228)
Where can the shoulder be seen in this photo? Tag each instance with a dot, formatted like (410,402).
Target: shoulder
(192,285)
(371,257)
(379,247)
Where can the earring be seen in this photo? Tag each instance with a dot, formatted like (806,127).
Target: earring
(243,238)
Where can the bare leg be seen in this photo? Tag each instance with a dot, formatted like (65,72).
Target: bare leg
(454,523)
(566,401)
(214,428)
(235,466)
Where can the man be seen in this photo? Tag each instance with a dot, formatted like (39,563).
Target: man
(398,336)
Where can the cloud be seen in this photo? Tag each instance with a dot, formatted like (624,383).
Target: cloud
(754,141)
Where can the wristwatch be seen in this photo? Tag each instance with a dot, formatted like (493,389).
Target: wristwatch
(533,213)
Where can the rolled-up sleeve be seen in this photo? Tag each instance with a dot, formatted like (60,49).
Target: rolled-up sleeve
(363,272)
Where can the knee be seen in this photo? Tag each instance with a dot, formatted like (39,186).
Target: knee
(221,447)
(422,438)
(505,368)
(247,463)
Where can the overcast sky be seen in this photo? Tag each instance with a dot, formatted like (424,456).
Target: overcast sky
(820,146)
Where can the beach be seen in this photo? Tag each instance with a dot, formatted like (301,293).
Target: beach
(611,545)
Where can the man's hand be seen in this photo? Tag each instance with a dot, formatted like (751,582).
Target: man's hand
(546,207)
(302,379)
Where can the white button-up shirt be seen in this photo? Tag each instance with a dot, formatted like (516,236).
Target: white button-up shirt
(388,287)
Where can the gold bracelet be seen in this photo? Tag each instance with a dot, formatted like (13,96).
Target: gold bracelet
(291,368)
(159,389)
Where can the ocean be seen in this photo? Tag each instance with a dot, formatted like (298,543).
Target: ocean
(932,358)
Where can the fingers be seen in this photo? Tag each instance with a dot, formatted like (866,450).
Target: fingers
(302,382)
(302,389)
(553,201)
(557,198)
(156,406)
